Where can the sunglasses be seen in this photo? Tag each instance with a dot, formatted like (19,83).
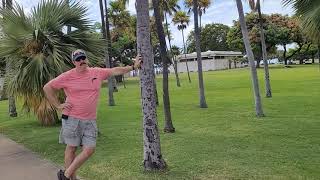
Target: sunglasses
(81,58)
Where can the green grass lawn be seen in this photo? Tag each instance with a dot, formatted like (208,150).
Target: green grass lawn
(224,141)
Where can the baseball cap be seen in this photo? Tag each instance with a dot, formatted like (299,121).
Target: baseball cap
(77,54)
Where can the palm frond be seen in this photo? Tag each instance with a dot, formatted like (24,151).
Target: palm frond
(308,12)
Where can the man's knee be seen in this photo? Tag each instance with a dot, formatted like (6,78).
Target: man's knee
(70,150)
(88,151)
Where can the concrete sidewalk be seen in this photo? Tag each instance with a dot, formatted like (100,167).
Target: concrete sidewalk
(19,163)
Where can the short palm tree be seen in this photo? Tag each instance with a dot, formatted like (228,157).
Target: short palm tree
(39,49)
(181,19)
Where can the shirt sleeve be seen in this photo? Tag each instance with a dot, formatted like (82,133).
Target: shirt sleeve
(59,82)
(103,73)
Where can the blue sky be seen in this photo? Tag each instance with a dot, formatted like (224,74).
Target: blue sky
(220,11)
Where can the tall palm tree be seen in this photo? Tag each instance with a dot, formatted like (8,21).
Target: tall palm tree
(255,6)
(39,50)
(168,7)
(254,75)
(202,97)
(106,36)
(203,5)
(153,159)
(11,99)
(309,15)
(182,20)
(165,63)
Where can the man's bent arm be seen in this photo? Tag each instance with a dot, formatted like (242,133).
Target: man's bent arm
(51,95)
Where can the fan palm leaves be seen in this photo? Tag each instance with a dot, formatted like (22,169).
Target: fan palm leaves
(309,13)
(39,49)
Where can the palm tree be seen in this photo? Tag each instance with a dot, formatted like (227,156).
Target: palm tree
(255,6)
(11,99)
(106,36)
(203,5)
(153,159)
(182,19)
(165,63)
(168,7)
(174,52)
(309,15)
(254,75)
(39,50)
(202,97)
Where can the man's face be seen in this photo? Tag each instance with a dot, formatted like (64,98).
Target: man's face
(81,62)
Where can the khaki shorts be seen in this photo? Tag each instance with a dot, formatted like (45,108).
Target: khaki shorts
(76,132)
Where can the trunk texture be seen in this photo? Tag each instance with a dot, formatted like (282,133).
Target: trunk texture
(107,60)
(203,103)
(172,56)
(185,51)
(264,55)
(285,54)
(12,107)
(254,75)
(11,99)
(153,159)
(113,79)
(165,62)
(176,70)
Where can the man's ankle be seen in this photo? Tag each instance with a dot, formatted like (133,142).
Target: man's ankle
(67,175)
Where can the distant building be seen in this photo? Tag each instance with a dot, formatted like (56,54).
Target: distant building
(211,60)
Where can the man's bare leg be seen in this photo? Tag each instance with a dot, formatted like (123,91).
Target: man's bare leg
(79,160)
(69,156)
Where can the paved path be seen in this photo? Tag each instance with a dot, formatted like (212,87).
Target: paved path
(19,163)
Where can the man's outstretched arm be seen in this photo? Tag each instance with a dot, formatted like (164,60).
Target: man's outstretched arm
(123,70)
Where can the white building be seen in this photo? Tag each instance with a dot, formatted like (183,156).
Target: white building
(211,60)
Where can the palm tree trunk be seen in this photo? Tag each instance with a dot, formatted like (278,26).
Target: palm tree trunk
(185,55)
(176,70)
(200,25)
(285,54)
(254,75)
(173,64)
(154,75)
(11,99)
(202,97)
(113,79)
(165,62)
(12,107)
(107,60)
(153,159)
(264,54)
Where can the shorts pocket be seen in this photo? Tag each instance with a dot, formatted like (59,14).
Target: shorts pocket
(93,132)
(69,128)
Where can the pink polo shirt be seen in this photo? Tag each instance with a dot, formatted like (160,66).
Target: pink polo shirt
(82,91)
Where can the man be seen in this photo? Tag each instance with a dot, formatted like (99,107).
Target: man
(81,86)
